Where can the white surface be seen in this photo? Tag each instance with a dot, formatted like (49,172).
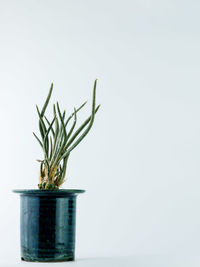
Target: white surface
(134,261)
(140,164)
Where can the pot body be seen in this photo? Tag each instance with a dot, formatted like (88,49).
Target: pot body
(47,225)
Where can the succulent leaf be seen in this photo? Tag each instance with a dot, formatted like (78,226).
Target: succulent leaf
(57,143)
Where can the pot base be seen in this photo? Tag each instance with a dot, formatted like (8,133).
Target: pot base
(70,258)
(46,255)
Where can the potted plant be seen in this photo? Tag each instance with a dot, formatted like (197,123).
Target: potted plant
(47,214)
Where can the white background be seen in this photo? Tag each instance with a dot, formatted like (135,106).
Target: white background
(140,164)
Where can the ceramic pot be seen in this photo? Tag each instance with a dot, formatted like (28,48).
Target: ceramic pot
(47,224)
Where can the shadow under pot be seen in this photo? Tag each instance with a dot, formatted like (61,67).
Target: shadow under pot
(47,224)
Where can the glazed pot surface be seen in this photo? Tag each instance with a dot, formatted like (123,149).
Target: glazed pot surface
(47,224)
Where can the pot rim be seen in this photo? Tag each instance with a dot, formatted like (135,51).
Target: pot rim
(40,192)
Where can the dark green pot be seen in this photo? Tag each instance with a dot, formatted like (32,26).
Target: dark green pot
(47,224)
